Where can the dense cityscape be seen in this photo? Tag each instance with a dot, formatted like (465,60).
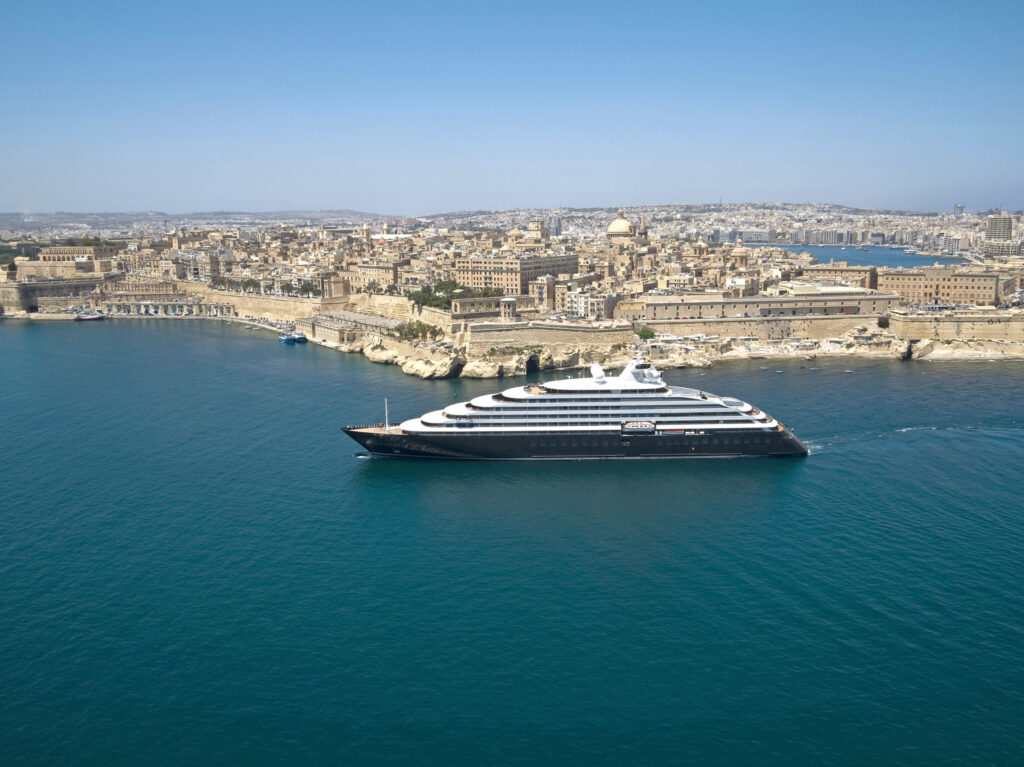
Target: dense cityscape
(498,292)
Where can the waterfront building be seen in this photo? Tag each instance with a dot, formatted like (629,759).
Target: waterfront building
(823,301)
(755,236)
(945,285)
(1001,249)
(66,261)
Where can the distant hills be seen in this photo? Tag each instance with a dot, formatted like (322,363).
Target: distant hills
(153,218)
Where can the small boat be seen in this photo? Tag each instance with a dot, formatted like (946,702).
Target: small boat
(639,427)
(778,371)
(764,367)
(286,339)
(89,316)
(293,338)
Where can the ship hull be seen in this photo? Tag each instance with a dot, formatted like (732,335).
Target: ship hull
(568,446)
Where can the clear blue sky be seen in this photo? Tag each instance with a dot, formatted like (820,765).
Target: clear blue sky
(415,108)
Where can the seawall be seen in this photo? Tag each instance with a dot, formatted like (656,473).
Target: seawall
(763,328)
(983,326)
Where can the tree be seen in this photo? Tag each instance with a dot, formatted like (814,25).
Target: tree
(418,331)
(883,322)
(373,288)
(441,294)
(645,333)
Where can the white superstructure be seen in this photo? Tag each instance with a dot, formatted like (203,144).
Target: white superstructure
(635,400)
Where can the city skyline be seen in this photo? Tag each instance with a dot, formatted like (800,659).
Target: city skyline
(416,110)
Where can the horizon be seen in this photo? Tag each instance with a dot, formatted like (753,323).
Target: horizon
(471,211)
(458,107)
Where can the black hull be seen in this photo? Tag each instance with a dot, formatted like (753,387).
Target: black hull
(577,446)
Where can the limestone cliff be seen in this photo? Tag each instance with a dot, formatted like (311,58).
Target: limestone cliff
(934,349)
(423,360)
(499,363)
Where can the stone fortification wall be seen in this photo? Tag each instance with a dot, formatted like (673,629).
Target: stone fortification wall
(1002,326)
(483,336)
(438,317)
(392,307)
(30,296)
(764,328)
(277,308)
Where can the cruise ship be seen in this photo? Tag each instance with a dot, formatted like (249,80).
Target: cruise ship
(630,415)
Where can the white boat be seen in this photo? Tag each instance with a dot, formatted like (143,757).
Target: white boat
(631,415)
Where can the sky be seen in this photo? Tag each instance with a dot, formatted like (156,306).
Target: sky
(415,108)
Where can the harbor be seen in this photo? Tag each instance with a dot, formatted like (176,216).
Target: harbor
(229,537)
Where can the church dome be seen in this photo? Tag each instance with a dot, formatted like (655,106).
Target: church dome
(620,227)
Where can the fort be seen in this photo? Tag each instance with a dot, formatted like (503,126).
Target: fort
(960,326)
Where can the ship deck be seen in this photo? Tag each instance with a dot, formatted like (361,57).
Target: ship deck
(377,428)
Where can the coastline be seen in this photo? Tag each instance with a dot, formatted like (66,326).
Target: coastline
(432,361)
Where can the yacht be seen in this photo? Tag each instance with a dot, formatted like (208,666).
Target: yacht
(630,415)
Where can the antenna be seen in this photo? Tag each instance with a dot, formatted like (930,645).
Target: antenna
(387,427)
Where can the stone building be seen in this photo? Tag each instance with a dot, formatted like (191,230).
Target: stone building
(842,271)
(66,261)
(944,285)
(511,273)
(621,228)
(697,307)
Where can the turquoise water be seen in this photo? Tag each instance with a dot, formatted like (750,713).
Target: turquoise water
(873,256)
(194,569)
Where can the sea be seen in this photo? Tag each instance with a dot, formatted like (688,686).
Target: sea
(197,567)
(872,255)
